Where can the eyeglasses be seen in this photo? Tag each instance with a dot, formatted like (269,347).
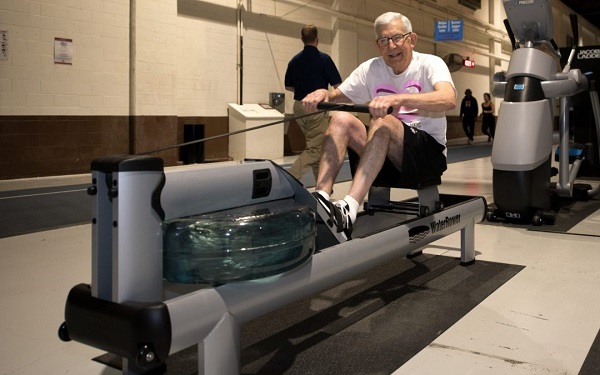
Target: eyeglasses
(396,39)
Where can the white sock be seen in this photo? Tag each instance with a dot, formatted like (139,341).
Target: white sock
(323,194)
(353,206)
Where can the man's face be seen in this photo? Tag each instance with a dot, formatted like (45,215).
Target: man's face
(396,55)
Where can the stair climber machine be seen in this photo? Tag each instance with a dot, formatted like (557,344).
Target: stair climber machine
(182,257)
(522,151)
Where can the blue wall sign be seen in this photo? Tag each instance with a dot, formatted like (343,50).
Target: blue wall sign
(448,30)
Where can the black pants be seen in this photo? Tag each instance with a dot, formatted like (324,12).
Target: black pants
(468,124)
(488,125)
(423,162)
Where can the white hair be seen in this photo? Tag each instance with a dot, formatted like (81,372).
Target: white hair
(389,17)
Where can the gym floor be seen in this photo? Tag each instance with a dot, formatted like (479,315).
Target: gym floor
(544,320)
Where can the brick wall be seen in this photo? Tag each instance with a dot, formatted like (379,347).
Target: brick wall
(35,146)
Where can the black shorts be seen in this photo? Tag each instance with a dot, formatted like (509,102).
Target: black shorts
(423,162)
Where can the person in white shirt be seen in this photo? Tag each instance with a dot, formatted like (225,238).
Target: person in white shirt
(417,86)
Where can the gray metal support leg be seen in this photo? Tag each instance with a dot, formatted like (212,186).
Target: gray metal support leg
(219,352)
(128,368)
(428,197)
(467,244)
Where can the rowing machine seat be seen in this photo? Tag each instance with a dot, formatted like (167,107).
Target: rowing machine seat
(389,177)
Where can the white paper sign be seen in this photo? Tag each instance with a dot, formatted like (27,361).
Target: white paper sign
(63,51)
(3,44)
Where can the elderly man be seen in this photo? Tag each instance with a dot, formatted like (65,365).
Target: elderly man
(417,86)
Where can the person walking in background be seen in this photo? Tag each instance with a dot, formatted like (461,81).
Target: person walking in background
(468,114)
(307,71)
(488,121)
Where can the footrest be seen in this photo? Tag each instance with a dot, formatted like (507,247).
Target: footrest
(576,151)
(324,215)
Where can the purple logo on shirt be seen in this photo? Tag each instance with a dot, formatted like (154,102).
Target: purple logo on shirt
(405,114)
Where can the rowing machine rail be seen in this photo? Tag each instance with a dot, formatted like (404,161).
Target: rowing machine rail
(134,195)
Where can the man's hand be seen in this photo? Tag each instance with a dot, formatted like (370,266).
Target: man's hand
(311,100)
(378,107)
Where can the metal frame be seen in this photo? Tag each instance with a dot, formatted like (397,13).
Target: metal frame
(133,313)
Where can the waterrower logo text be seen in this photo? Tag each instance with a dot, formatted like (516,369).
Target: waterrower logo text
(442,224)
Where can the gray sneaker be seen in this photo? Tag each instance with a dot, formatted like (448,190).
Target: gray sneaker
(341,217)
(339,214)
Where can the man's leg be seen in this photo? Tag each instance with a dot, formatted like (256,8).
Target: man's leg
(385,139)
(465,125)
(472,128)
(345,130)
(314,142)
(469,127)
(313,128)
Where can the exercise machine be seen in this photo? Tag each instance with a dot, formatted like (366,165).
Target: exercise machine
(522,151)
(131,311)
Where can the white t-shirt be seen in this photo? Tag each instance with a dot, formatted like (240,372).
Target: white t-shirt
(375,78)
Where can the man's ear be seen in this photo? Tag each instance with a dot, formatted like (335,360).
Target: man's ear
(413,39)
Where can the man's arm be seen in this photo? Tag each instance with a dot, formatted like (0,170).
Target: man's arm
(290,88)
(322,95)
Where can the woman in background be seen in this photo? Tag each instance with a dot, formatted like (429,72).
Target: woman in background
(488,123)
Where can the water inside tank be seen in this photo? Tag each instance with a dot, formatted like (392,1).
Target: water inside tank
(244,243)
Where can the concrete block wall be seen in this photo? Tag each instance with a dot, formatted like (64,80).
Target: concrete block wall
(151,66)
(206,57)
(97,81)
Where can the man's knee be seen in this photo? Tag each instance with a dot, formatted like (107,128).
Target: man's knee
(341,118)
(387,127)
(345,123)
